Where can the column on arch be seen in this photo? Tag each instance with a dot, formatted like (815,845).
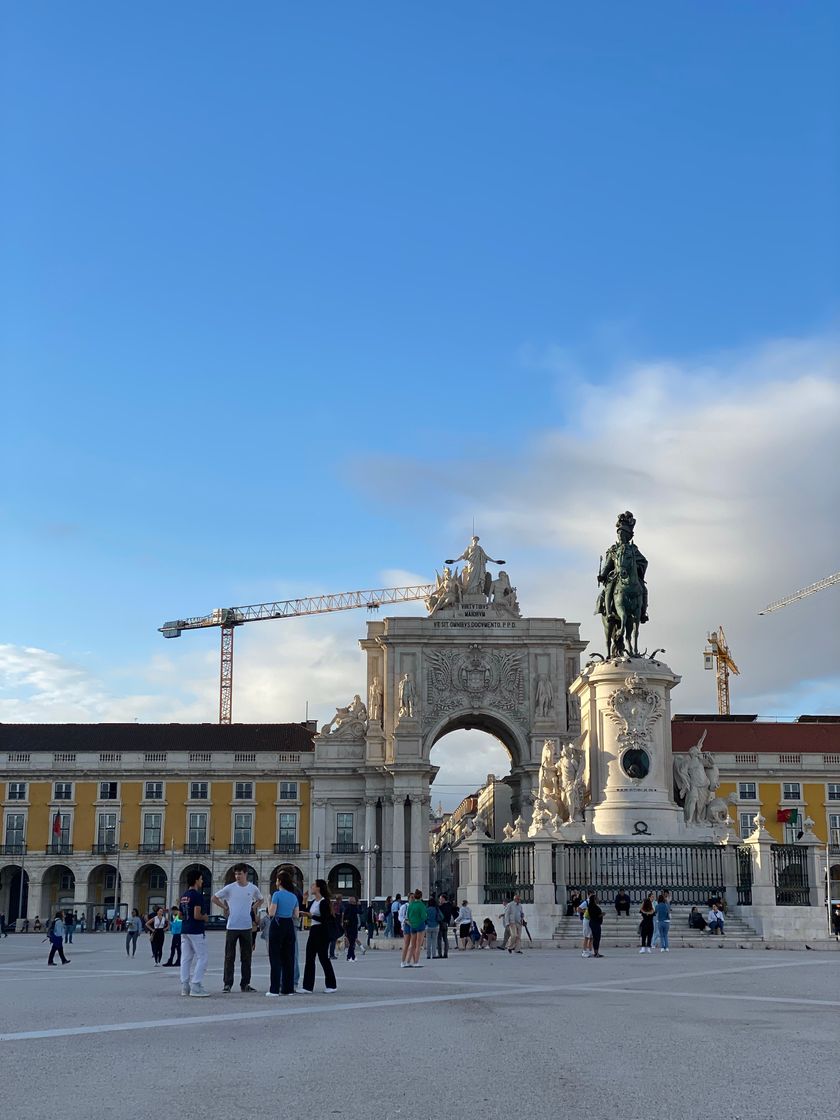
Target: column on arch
(419,845)
(398,846)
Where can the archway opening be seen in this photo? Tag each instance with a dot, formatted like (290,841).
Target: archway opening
(250,874)
(345,880)
(206,887)
(295,872)
(150,888)
(466,756)
(14,896)
(58,889)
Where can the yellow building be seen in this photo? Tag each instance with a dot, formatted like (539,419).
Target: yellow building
(86,807)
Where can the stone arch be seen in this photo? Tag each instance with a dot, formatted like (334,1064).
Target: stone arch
(252,875)
(513,738)
(206,890)
(58,888)
(150,887)
(294,871)
(834,882)
(10,893)
(101,893)
(345,879)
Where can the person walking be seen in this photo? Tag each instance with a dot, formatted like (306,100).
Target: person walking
(586,929)
(370,923)
(647,911)
(513,919)
(69,926)
(350,925)
(56,939)
(389,917)
(465,925)
(432,924)
(417,916)
(157,926)
(321,918)
(596,919)
(238,900)
(193,937)
(396,906)
(283,912)
(446,913)
(663,921)
(175,924)
(405,929)
(3,930)
(336,927)
(133,929)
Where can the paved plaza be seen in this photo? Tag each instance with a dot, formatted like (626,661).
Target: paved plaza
(694,1033)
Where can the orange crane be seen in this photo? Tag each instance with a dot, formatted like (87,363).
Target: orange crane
(803,593)
(718,657)
(228,618)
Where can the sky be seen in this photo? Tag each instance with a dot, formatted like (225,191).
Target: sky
(292,294)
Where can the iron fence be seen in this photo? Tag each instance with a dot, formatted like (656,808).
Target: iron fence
(508,870)
(790,875)
(691,872)
(745,868)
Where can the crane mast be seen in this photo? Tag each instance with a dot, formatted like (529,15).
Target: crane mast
(227,618)
(718,657)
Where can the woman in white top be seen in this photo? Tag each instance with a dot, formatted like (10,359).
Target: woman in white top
(465,925)
(157,927)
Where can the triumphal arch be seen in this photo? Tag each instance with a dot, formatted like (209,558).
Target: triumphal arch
(471,661)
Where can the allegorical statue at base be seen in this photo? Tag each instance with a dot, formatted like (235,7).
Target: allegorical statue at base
(623,600)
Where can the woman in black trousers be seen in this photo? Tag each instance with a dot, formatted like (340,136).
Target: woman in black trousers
(646,925)
(283,913)
(596,918)
(320,918)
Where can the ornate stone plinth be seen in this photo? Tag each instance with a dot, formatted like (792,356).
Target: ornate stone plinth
(626,721)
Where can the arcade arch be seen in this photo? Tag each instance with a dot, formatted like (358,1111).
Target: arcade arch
(150,883)
(13,905)
(295,872)
(58,889)
(344,879)
(251,875)
(207,886)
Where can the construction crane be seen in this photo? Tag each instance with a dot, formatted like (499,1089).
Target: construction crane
(811,589)
(228,618)
(718,657)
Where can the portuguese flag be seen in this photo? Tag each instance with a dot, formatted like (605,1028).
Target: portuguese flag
(787,816)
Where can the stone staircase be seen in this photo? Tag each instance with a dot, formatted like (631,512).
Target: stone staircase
(621,932)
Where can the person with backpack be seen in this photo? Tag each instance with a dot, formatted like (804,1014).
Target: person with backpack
(350,925)
(132,931)
(446,913)
(283,912)
(55,934)
(320,931)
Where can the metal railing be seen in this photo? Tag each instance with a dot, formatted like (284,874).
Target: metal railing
(12,849)
(745,876)
(58,849)
(344,848)
(287,848)
(103,850)
(241,849)
(509,870)
(790,875)
(196,849)
(691,872)
(150,849)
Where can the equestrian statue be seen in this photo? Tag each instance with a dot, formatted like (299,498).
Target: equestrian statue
(623,599)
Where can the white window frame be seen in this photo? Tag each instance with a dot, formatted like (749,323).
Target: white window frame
(190,828)
(10,816)
(200,797)
(243,791)
(153,813)
(338,827)
(66,793)
(155,787)
(832,791)
(295,817)
(107,796)
(287,795)
(791,786)
(746,824)
(234,828)
(742,796)
(17,791)
(102,830)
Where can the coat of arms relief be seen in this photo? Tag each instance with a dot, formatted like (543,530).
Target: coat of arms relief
(474,678)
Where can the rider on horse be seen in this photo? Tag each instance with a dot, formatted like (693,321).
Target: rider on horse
(623,599)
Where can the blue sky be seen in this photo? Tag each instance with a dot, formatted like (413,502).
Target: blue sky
(292,292)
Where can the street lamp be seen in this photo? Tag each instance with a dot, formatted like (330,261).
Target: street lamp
(117,885)
(370,850)
(318,859)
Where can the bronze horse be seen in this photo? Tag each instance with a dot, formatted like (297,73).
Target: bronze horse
(621,622)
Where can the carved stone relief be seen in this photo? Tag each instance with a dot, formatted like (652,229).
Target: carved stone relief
(474,678)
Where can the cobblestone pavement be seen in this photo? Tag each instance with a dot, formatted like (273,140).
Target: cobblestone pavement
(688,1034)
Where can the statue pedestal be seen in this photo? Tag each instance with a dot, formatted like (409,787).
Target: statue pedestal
(626,720)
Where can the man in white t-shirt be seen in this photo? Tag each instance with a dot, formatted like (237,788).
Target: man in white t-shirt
(238,900)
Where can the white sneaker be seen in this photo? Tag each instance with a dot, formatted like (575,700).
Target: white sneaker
(273,995)
(404,964)
(417,965)
(663,950)
(643,949)
(198,991)
(666,950)
(185,989)
(330,991)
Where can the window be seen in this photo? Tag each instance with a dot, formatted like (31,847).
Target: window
(344,828)
(154,791)
(67,881)
(60,840)
(15,829)
(243,791)
(198,828)
(834,830)
(834,791)
(288,791)
(198,791)
(242,828)
(344,879)
(746,791)
(152,823)
(107,791)
(17,791)
(106,829)
(746,826)
(792,831)
(288,828)
(110,881)
(63,791)
(790,791)
(157,880)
